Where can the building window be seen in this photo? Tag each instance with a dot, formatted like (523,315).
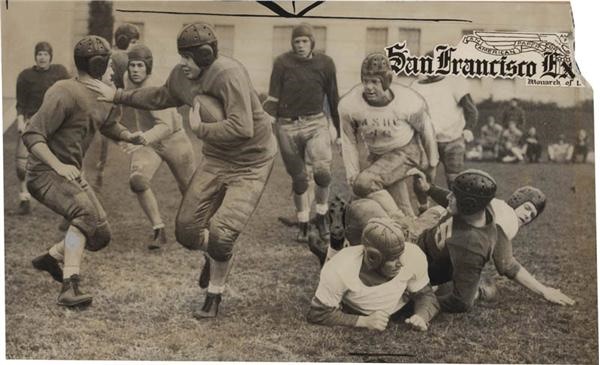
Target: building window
(412,37)
(282,36)
(225,35)
(139,25)
(377,40)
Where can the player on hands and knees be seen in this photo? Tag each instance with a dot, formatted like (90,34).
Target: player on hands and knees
(392,119)
(166,141)
(300,81)
(238,151)
(363,285)
(58,137)
(32,84)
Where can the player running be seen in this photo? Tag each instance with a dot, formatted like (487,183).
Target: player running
(32,84)
(391,119)
(238,151)
(166,141)
(363,285)
(300,81)
(58,137)
(453,114)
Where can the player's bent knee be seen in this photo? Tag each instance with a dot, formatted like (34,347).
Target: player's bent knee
(100,238)
(188,236)
(300,183)
(220,242)
(322,175)
(365,185)
(138,183)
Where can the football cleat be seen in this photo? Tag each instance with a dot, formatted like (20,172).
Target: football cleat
(49,264)
(70,295)
(210,309)
(24,207)
(304,228)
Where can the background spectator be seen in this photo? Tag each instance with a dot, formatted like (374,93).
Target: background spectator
(511,140)
(533,148)
(560,151)
(491,133)
(581,147)
(515,113)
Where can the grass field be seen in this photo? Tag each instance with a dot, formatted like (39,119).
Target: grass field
(143,300)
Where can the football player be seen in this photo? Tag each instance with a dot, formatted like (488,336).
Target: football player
(126,36)
(238,151)
(300,81)
(57,137)
(391,119)
(453,112)
(364,284)
(32,84)
(166,141)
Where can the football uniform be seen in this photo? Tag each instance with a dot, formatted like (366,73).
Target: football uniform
(238,153)
(389,133)
(67,121)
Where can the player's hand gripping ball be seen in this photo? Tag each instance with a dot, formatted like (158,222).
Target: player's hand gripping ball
(208,109)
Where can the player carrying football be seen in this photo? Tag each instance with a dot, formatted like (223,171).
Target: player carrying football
(166,141)
(300,81)
(57,137)
(392,119)
(238,151)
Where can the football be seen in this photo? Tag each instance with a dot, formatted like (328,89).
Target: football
(211,109)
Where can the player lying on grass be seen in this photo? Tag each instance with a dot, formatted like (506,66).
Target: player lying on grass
(166,141)
(523,206)
(363,285)
(392,120)
(58,137)
(238,151)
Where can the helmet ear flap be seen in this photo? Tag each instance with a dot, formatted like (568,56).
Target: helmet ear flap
(97,66)
(373,257)
(205,55)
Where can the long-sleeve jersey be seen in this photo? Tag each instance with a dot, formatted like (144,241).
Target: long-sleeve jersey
(300,85)
(156,124)
(340,284)
(33,83)
(444,101)
(244,138)
(382,128)
(67,122)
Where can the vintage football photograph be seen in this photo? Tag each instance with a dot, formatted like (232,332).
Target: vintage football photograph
(297,181)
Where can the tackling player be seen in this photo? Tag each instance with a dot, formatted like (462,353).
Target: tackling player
(166,141)
(300,81)
(32,84)
(452,112)
(58,137)
(391,119)
(363,285)
(238,151)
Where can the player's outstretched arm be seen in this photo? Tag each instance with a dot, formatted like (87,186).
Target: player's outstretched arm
(330,316)
(552,295)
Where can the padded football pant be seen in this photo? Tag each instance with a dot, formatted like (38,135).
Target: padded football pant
(176,150)
(221,197)
(305,138)
(75,201)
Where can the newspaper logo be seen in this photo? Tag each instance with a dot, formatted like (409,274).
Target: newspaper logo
(542,59)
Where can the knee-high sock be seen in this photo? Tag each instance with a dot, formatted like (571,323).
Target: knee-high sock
(219,271)
(321,198)
(58,251)
(150,206)
(74,245)
(302,207)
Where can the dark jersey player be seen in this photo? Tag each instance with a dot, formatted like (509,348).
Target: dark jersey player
(57,137)
(32,84)
(238,151)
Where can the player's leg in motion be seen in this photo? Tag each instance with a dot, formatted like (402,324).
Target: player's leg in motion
(144,164)
(452,156)
(220,198)
(21,162)
(88,229)
(318,148)
(292,146)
